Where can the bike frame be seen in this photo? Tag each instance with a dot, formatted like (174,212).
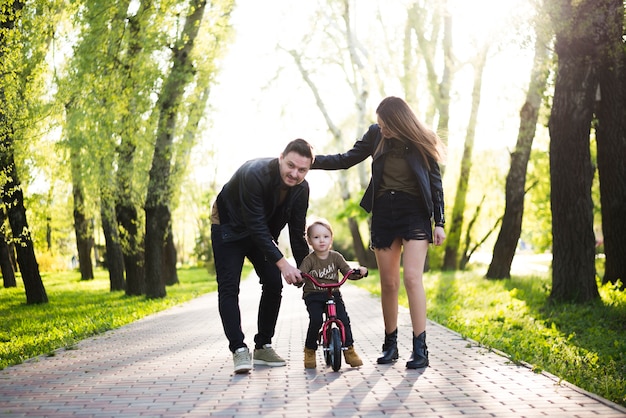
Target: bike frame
(331,309)
(331,319)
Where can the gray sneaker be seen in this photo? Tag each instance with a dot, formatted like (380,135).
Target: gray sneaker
(242,360)
(268,357)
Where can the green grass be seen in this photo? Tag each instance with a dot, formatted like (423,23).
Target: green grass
(582,344)
(78,309)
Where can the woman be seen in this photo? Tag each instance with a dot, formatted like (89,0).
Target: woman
(404,195)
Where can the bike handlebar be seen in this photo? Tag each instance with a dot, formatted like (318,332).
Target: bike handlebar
(354,271)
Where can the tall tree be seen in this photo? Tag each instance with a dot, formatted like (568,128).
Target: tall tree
(158,199)
(571,172)
(105,126)
(429,49)
(16,71)
(453,242)
(136,79)
(611,138)
(515,189)
(210,46)
(354,65)
(114,253)
(82,221)
(107,154)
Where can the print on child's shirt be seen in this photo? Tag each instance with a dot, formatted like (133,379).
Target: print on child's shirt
(328,273)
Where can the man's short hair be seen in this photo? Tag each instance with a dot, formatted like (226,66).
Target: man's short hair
(301,147)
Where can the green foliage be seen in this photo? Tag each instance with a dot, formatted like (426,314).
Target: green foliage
(595,191)
(49,262)
(51,222)
(352,209)
(203,250)
(80,309)
(487,179)
(537,221)
(582,344)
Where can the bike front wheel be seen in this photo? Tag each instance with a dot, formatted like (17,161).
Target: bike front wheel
(334,349)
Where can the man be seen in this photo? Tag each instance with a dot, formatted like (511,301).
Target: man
(263,196)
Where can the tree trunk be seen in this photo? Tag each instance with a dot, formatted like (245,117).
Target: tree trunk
(157,219)
(114,255)
(82,226)
(453,241)
(571,173)
(84,245)
(364,255)
(159,187)
(49,219)
(611,143)
(170,257)
(127,220)
(13,199)
(511,228)
(6,264)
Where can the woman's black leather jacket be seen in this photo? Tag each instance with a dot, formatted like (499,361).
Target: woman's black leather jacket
(431,187)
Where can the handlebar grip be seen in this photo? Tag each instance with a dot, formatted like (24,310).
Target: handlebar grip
(357,272)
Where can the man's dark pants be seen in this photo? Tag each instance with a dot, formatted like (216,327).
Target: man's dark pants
(229,258)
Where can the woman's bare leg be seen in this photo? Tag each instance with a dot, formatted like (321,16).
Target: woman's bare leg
(388,260)
(413,261)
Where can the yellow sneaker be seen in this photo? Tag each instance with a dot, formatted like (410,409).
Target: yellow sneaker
(309,359)
(352,358)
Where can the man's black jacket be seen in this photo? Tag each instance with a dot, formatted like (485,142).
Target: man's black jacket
(249,208)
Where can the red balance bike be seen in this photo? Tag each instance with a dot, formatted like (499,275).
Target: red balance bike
(332,335)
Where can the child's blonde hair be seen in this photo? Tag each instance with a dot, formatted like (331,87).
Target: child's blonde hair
(321,222)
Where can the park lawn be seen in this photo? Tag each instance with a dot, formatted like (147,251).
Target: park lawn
(582,344)
(78,309)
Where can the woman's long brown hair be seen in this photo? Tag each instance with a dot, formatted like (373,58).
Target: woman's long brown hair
(400,119)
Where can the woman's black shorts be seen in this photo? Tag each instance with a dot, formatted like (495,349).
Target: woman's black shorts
(399,215)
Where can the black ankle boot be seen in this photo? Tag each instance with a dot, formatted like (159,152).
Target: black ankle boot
(419,357)
(390,348)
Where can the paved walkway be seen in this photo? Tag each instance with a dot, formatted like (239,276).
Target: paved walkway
(176,364)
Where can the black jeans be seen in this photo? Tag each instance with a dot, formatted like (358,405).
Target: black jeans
(229,258)
(315,304)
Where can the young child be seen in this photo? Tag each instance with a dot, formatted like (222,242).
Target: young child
(323,264)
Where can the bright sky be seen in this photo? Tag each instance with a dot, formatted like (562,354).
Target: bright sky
(256,110)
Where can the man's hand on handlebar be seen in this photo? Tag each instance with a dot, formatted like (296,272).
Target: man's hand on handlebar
(289,272)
